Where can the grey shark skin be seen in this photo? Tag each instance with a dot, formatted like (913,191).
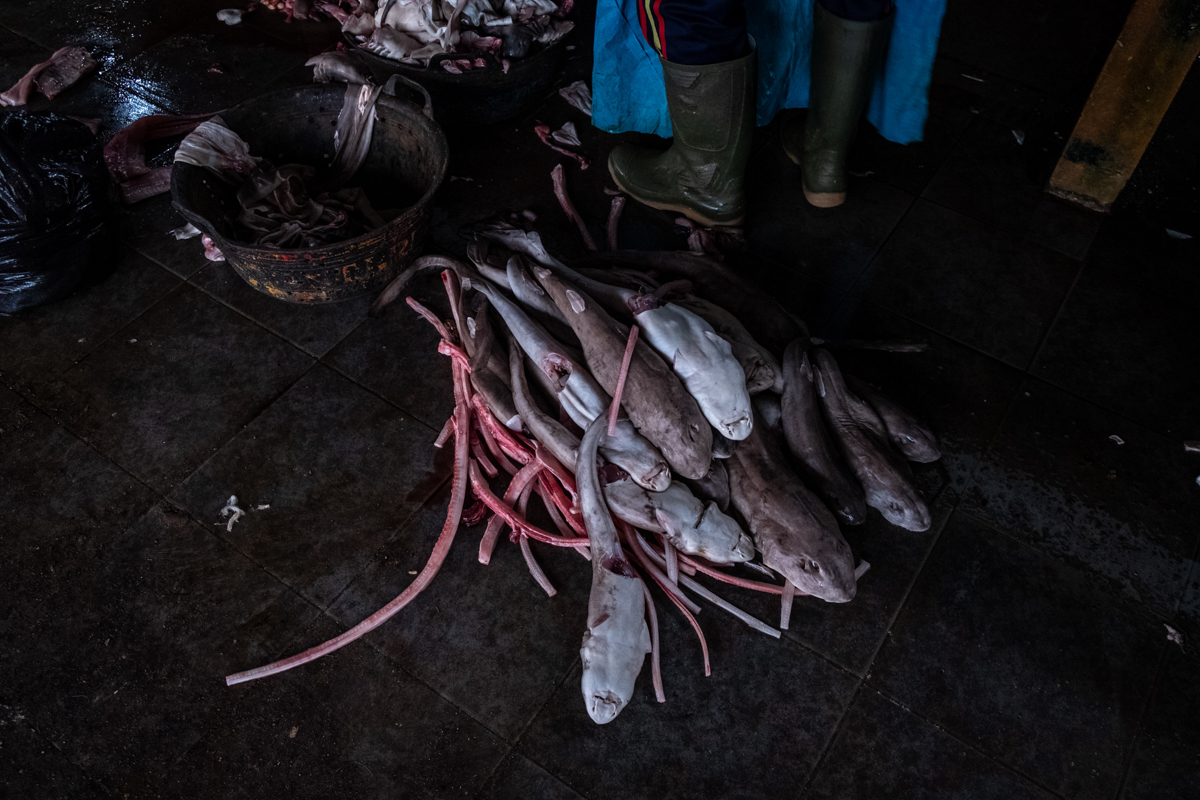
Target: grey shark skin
(820,463)
(655,399)
(914,441)
(617,638)
(796,534)
(862,437)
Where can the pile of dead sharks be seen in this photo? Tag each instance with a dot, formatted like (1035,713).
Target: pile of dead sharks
(680,428)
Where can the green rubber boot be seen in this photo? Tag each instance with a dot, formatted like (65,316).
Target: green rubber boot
(846,56)
(712,113)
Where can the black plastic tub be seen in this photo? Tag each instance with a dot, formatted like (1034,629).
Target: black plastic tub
(405,166)
(478,96)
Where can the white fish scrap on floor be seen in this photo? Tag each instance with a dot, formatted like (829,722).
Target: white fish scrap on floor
(579,95)
(567,135)
(413,31)
(188,231)
(231,507)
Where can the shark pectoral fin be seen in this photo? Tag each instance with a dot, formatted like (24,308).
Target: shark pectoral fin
(721,344)
(680,363)
(670,529)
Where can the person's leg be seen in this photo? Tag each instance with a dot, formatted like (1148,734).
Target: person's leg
(695,32)
(710,80)
(849,41)
(858,10)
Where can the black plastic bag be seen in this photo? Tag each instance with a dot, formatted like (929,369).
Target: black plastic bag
(54,208)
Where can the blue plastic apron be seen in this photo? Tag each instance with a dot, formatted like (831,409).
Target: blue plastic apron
(627,82)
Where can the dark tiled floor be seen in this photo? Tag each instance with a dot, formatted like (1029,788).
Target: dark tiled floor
(883,750)
(1016,654)
(1017,649)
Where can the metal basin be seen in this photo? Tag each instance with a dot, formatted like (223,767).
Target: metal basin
(477,96)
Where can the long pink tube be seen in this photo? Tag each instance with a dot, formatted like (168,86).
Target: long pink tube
(655,670)
(557,518)
(672,562)
(559,179)
(485,493)
(500,440)
(487,544)
(732,580)
(458,495)
(535,569)
(615,408)
(490,440)
(652,563)
(563,503)
(430,317)
(556,468)
(704,592)
(481,456)
(614,219)
(447,429)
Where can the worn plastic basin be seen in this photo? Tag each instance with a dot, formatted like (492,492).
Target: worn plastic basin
(405,166)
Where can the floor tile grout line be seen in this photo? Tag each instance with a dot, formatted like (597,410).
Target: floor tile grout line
(954,736)
(483,786)
(1007,234)
(827,746)
(257,324)
(911,585)
(321,610)
(1057,316)
(866,267)
(400,528)
(1141,722)
(951,337)
(1178,439)
(1192,573)
(935,331)
(165,499)
(950,153)
(151,257)
(549,696)
(161,499)
(1028,369)
(411,415)
(863,681)
(379,651)
(991,526)
(534,717)
(950,148)
(266,406)
(86,442)
(265,326)
(124,325)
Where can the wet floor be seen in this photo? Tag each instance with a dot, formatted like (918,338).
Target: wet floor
(1018,649)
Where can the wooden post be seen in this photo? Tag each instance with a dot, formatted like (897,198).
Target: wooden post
(1158,45)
